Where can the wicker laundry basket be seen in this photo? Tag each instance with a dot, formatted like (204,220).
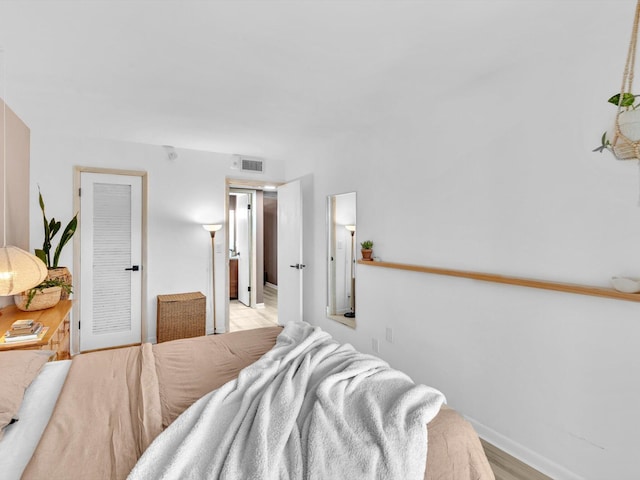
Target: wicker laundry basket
(181,315)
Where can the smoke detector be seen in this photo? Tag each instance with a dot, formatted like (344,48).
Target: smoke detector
(171,152)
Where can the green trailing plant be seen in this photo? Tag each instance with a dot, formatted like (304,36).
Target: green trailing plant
(606,144)
(628,102)
(51,228)
(54,282)
(366,245)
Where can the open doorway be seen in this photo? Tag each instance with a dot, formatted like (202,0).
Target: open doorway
(253,273)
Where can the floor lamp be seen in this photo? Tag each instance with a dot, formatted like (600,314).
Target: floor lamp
(352,313)
(212,229)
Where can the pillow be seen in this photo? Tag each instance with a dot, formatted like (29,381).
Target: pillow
(18,368)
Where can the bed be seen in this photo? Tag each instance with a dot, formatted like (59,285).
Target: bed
(95,416)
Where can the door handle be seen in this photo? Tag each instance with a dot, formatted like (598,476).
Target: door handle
(135,268)
(298,266)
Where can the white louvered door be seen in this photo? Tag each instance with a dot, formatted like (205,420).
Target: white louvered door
(111,254)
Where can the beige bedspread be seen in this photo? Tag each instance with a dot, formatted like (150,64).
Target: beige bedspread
(115,402)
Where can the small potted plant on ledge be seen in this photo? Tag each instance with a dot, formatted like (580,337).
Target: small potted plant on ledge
(366,250)
(51,228)
(45,295)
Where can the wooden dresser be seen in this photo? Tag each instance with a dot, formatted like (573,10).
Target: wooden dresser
(56,338)
(233,278)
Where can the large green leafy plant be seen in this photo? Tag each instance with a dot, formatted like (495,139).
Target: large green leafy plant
(51,228)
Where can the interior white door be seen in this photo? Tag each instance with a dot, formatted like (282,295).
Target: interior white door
(290,259)
(243,232)
(111,255)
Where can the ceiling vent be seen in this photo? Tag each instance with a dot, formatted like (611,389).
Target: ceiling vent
(248,164)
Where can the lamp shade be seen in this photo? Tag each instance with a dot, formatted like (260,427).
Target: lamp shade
(351,228)
(212,227)
(19,270)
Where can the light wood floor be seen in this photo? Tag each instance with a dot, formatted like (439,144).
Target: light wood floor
(242,317)
(506,467)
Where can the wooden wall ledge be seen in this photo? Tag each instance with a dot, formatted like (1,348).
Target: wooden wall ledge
(523,282)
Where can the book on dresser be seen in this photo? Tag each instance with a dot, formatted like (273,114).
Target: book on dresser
(23,333)
(22,324)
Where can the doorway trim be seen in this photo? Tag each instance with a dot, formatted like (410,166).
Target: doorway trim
(237,184)
(75,324)
(253,277)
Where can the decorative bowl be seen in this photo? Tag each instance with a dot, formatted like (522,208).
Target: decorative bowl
(626,284)
(45,298)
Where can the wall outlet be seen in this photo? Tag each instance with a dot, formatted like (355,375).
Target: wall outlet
(389,335)
(375,345)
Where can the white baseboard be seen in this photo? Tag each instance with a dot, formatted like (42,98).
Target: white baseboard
(522,453)
(271,285)
(259,305)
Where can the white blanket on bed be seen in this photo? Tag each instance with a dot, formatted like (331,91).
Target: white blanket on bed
(310,408)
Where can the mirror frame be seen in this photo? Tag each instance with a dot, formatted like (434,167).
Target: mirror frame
(336,223)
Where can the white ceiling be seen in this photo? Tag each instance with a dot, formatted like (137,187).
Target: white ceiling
(254,77)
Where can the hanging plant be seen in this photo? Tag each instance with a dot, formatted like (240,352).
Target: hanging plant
(627,101)
(51,228)
(625,144)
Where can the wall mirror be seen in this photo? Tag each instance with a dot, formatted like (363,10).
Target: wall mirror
(341,268)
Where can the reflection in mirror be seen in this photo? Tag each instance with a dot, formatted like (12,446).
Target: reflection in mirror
(341,241)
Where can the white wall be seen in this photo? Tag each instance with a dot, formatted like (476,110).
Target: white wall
(497,174)
(182,195)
